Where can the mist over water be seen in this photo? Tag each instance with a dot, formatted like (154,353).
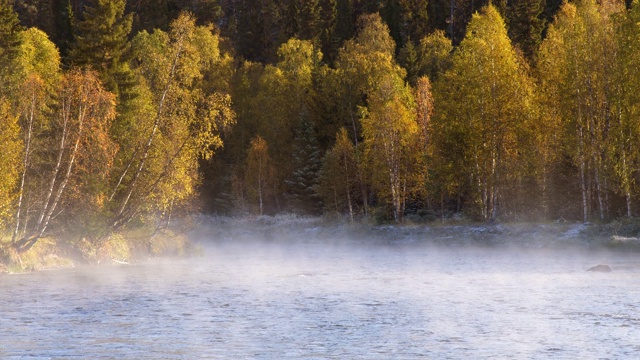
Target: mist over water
(260,299)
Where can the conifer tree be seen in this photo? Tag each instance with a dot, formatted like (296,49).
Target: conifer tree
(408,59)
(302,19)
(526,23)
(101,38)
(407,19)
(302,183)
(10,30)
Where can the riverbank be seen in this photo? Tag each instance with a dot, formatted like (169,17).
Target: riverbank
(118,249)
(188,237)
(287,229)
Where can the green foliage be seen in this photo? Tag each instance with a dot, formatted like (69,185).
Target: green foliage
(185,125)
(491,124)
(302,183)
(101,39)
(434,54)
(526,23)
(10,30)
(38,55)
(11,150)
(337,181)
(576,67)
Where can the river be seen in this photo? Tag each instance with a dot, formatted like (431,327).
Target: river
(316,301)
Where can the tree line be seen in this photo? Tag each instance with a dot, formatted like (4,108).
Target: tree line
(118,113)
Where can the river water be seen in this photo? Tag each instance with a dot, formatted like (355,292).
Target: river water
(315,301)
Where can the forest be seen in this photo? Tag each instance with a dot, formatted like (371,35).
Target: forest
(119,113)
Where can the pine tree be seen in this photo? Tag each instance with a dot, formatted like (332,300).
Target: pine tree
(10,30)
(101,40)
(407,19)
(329,44)
(307,161)
(526,23)
(302,20)
(408,59)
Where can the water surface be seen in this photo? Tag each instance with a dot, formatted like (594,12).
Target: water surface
(313,301)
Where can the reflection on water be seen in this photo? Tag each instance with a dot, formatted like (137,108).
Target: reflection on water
(314,302)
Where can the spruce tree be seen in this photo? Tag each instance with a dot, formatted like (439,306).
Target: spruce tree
(408,59)
(302,20)
(102,39)
(307,162)
(526,23)
(10,30)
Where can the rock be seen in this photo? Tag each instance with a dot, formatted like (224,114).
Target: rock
(600,268)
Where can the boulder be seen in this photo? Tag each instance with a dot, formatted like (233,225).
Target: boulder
(600,268)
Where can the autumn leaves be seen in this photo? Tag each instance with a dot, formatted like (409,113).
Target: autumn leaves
(90,159)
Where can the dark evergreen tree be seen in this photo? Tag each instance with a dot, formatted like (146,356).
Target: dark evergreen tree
(452,16)
(62,32)
(36,13)
(101,36)
(329,44)
(101,39)
(302,19)
(526,22)
(307,162)
(151,14)
(10,29)
(408,59)
(205,11)
(407,19)
(551,8)
(254,28)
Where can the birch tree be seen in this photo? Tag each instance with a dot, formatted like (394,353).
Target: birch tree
(259,173)
(577,67)
(484,102)
(390,131)
(183,124)
(626,105)
(79,143)
(338,176)
(11,150)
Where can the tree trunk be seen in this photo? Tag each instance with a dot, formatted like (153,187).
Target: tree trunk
(156,124)
(25,165)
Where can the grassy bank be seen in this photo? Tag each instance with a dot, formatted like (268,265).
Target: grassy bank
(120,248)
